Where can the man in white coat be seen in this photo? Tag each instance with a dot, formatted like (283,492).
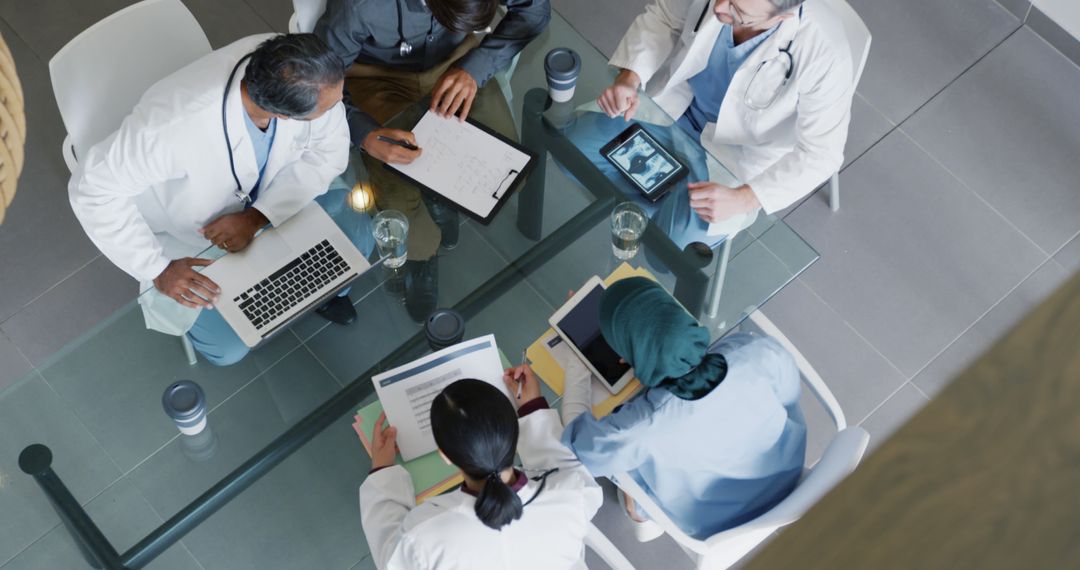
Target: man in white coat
(766,85)
(167,185)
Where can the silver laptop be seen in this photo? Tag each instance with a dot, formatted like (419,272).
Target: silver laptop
(284,273)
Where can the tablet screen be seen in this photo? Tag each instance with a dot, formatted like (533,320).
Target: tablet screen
(644,161)
(582,326)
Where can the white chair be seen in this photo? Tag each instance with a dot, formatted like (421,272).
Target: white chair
(99,76)
(840,458)
(306,14)
(859,41)
(608,552)
(858,38)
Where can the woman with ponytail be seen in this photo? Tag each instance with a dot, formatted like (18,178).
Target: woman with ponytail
(716,437)
(503,517)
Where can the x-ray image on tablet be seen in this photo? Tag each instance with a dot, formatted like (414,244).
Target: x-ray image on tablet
(644,162)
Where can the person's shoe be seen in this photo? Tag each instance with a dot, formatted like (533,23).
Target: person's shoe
(644,529)
(339,310)
(421,288)
(449,222)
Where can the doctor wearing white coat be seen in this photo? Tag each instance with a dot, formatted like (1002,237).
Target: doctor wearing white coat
(775,114)
(502,518)
(162,188)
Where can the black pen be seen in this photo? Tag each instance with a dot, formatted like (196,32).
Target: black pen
(401,143)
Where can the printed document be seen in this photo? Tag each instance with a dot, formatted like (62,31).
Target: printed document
(406,392)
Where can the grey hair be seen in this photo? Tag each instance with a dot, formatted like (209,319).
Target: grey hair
(785,5)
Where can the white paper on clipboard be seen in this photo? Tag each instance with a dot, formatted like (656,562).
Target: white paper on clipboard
(406,392)
(463,163)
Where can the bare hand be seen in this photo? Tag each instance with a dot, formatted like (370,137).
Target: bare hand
(621,98)
(530,388)
(391,153)
(715,202)
(186,286)
(234,232)
(455,90)
(383,444)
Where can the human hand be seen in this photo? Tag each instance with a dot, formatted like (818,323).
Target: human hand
(715,202)
(391,153)
(383,444)
(455,90)
(234,232)
(186,286)
(522,375)
(621,98)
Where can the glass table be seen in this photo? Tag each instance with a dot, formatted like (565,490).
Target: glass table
(272,483)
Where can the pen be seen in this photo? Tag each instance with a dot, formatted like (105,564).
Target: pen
(521,382)
(401,143)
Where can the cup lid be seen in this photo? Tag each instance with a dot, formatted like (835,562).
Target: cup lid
(183,399)
(444,327)
(562,64)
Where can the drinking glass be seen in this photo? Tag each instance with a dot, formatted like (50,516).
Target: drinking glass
(628,222)
(391,232)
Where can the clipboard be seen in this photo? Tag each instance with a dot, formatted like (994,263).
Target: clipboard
(446,153)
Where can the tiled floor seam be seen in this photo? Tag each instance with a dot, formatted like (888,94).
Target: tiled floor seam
(885,401)
(256,11)
(972,190)
(82,424)
(980,318)
(37,297)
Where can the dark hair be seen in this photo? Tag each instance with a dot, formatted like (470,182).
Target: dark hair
(477,429)
(464,16)
(286,73)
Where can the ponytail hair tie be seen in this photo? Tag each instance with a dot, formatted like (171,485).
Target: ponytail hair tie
(494,476)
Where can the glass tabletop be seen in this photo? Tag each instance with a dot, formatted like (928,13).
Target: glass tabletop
(506,278)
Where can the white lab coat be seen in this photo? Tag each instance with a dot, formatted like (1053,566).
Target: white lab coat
(143,193)
(445,534)
(783,152)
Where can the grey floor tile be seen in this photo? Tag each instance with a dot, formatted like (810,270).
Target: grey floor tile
(47,25)
(1012,140)
(868,126)
(919,46)
(859,377)
(41,243)
(274,12)
(13,365)
(76,305)
(611,520)
(226,21)
(1018,8)
(820,428)
(1069,256)
(365,564)
(982,335)
(32,413)
(914,257)
(304,513)
(605,32)
(892,414)
(114,380)
(123,516)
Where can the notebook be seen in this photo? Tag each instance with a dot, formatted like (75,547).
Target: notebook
(466,163)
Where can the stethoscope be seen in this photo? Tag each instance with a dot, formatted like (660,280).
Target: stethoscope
(749,97)
(239,192)
(404,47)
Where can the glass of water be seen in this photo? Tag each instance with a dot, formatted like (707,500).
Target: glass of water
(391,231)
(628,223)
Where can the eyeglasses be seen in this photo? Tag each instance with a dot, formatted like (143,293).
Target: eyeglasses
(739,16)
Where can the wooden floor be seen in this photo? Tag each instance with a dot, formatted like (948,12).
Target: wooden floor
(986,476)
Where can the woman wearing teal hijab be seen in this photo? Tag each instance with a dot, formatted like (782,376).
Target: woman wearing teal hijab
(716,437)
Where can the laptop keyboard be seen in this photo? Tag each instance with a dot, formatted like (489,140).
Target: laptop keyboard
(291,285)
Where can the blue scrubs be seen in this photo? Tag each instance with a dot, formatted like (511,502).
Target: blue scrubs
(712,463)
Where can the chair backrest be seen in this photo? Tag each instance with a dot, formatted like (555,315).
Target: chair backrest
(99,76)
(858,35)
(305,14)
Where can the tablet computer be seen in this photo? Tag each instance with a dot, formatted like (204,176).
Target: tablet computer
(642,161)
(578,323)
